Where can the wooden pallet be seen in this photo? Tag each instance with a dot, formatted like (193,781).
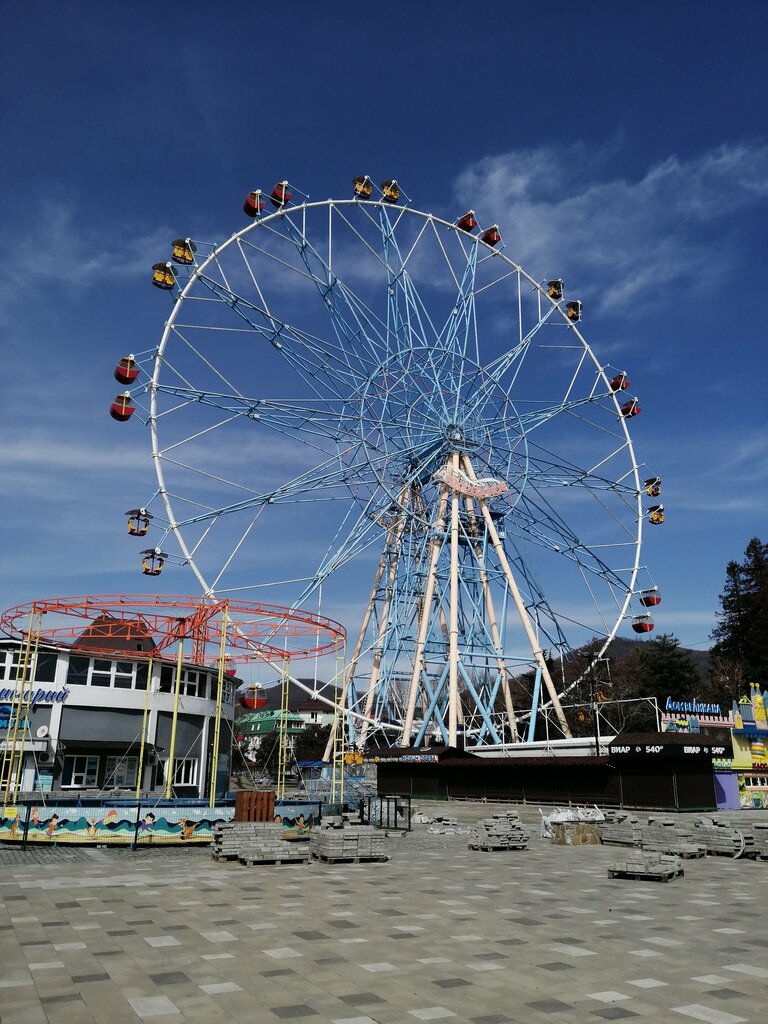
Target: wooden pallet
(497,849)
(276,863)
(348,860)
(658,875)
(222,858)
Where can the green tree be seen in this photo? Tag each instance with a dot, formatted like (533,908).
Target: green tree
(311,742)
(740,635)
(668,670)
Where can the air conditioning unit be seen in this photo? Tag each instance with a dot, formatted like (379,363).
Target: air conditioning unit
(47,757)
(152,758)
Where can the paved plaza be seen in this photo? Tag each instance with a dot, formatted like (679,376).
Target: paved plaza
(438,933)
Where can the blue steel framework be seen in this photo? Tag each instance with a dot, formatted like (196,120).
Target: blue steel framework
(452,412)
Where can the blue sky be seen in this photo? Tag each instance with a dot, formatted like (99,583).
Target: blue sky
(625,152)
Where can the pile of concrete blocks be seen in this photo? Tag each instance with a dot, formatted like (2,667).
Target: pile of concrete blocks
(256,842)
(500,832)
(759,834)
(621,829)
(339,840)
(722,840)
(664,835)
(654,867)
(444,825)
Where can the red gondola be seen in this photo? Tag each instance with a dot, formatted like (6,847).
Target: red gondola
(252,697)
(555,289)
(620,382)
(363,187)
(573,310)
(122,408)
(650,598)
(468,222)
(281,194)
(390,191)
(491,236)
(163,276)
(630,409)
(126,370)
(642,624)
(138,521)
(254,203)
(183,251)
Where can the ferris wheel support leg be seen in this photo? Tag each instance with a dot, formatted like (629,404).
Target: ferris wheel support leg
(534,706)
(453,629)
(495,634)
(383,622)
(437,544)
(538,654)
(349,675)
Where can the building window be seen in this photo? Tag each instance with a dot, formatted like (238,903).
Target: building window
(121,771)
(80,770)
(184,771)
(142,672)
(77,673)
(124,675)
(101,673)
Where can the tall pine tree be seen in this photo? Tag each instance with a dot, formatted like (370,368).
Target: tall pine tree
(741,635)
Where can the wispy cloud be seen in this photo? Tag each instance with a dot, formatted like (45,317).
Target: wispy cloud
(559,210)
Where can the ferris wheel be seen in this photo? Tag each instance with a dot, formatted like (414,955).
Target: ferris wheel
(358,400)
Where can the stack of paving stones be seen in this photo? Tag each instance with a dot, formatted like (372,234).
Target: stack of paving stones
(720,840)
(256,842)
(500,832)
(337,839)
(652,867)
(760,841)
(663,835)
(443,825)
(620,829)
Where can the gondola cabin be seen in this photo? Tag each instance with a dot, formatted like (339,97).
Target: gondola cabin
(656,515)
(153,561)
(491,236)
(363,187)
(631,408)
(252,697)
(138,522)
(183,251)
(650,598)
(555,289)
(652,486)
(127,370)
(620,382)
(642,624)
(281,194)
(163,276)
(122,408)
(390,191)
(468,222)
(573,310)
(254,203)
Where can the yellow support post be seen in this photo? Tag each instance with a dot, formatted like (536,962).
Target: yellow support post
(282,733)
(144,729)
(10,779)
(219,699)
(172,751)
(337,766)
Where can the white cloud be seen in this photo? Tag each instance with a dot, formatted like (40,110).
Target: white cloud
(559,211)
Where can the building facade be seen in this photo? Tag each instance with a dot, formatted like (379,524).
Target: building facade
(83,731)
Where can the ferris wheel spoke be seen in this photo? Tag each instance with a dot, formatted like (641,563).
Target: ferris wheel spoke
(358,323)
(303,421)
(321,361)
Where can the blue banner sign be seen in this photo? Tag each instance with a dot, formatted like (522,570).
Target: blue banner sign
(692,707)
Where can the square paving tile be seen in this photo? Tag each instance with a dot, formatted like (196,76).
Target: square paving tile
(152,1006)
